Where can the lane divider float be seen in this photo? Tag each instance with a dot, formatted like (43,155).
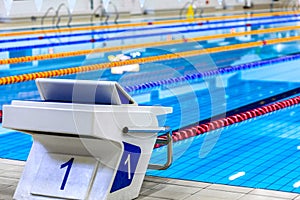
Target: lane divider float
(104,39)
(274,20)
(195,20)
(149,86)
(81,69)
(227,121)
(153,44)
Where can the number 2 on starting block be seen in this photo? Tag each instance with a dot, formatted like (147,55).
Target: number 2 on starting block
(127,167)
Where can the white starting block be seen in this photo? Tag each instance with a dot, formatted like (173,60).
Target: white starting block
(91,141)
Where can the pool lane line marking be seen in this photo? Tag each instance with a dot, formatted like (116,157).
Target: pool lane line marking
(236,176)
(233,119)
(260,21)
(196,77)
(141,88)
(195,20)
(68,71)
(134,46)
(103,39)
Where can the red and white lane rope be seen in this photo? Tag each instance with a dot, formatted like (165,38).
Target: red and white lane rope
(237,118)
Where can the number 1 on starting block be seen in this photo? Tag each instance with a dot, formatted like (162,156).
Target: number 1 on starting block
(127,167)
(64,176)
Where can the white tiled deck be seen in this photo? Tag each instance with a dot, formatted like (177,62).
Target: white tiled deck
(158,188)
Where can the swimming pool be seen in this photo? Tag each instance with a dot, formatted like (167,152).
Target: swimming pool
(246,154)
(259,153)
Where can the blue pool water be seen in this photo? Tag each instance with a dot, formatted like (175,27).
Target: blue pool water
(266,149)
(15,145)
(254,147)
(148,31)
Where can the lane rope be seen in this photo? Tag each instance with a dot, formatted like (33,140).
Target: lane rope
(144,45)
(189,30)
(147,23)
(193,78)
(149,86)
(227,121)
(107,39)
(166,57)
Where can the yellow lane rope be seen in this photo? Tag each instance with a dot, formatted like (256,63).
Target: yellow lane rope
(144,45)
(146,23)
(74,70)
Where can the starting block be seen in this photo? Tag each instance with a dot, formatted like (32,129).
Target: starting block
(91,140)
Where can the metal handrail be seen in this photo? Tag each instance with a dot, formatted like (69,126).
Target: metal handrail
(46,14)
(106,14)
(116,12)
(285,4)
(168,141)
(59,16)
(272,5)
(101,12)
(224,5)
(294,4)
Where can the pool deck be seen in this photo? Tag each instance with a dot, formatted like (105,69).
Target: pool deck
(155,188)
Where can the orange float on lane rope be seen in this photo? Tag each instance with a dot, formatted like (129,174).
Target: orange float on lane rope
(61,30)
(196,39)
(61,72)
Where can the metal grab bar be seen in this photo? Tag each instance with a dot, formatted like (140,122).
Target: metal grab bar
(285,4)
(168,141)
(145,130)
(272,5)
(105,13)
(116,13)
(46,14)
(293,4)
(59,16)
(296,5)
(101,13)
